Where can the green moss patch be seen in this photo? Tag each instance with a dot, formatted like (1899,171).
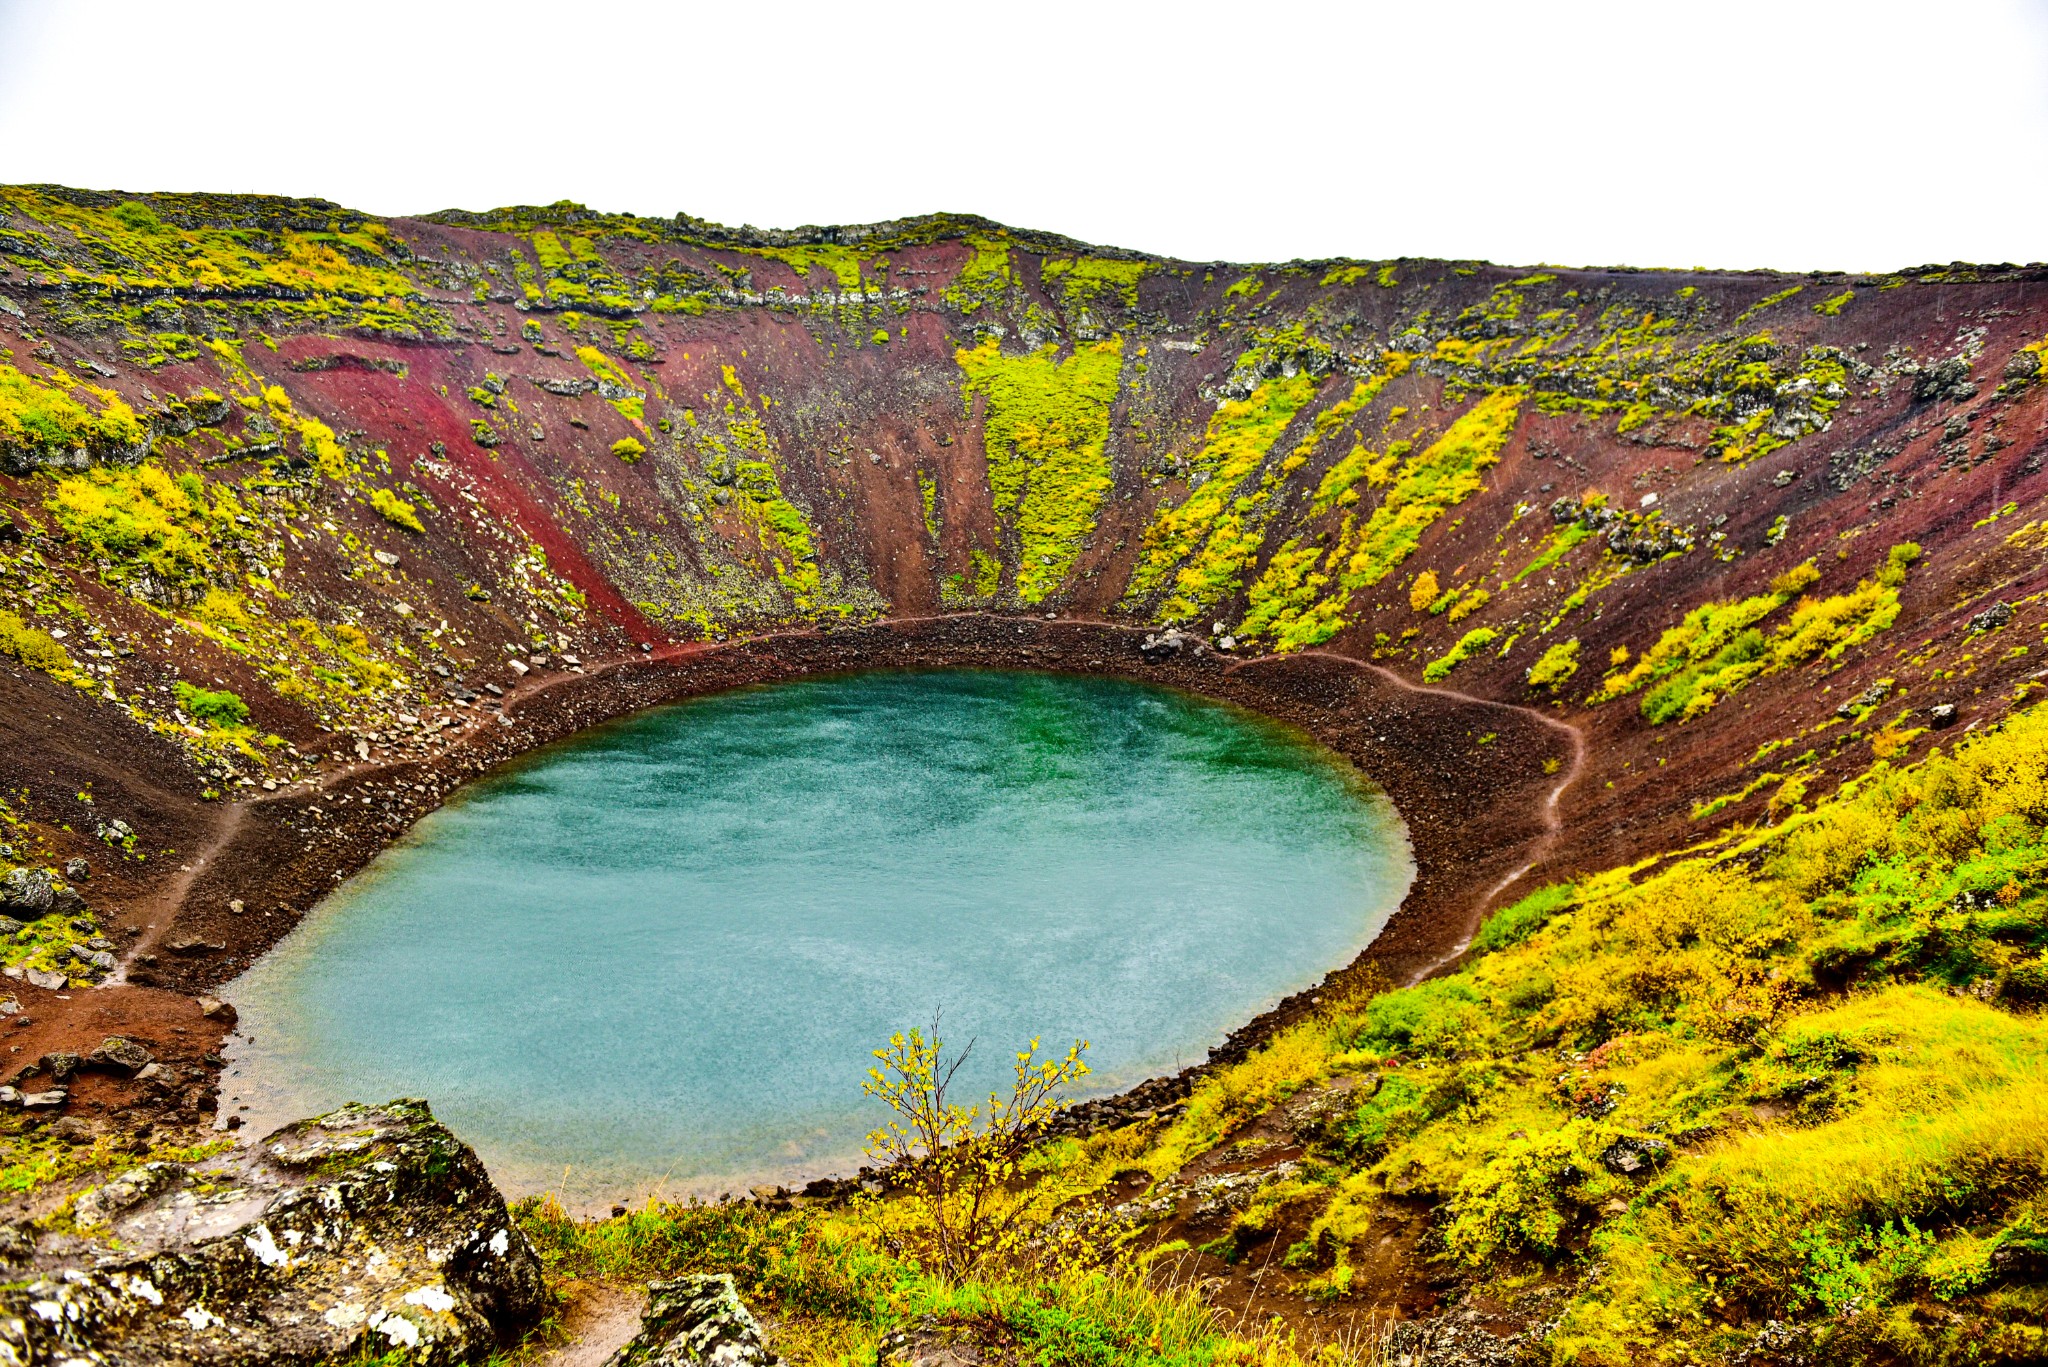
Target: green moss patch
(1045,427)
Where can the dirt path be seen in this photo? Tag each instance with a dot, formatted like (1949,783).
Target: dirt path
(1553,821)
(596,1322)
(157,911)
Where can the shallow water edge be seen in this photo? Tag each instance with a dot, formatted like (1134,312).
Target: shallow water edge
(1475,813)
(760,886)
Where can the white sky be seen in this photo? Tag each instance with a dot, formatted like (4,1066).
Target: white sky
(1795,134)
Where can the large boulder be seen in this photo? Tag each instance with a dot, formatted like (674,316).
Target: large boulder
(361,1232)
(695,1322)
(121,1057)
(27,894)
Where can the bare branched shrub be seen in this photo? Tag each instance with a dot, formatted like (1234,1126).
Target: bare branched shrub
(964,1161)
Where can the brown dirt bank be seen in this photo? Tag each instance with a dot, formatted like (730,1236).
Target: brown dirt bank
(1475,781)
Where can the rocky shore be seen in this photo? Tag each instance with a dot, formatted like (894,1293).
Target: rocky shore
(1472,779)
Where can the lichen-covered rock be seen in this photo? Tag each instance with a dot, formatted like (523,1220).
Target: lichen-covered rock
(695,1322)
(929,1343)
(28,894)
(362,1231)
(121,1057)
(1947,379)
(1993,617)
(1631,1154)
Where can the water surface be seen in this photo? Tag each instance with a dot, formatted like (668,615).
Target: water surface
(656,956)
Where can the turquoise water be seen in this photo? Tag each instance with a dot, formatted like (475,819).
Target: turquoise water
(656,956)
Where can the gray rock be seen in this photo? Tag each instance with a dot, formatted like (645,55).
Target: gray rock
(366,1232)
(1993,617)
(192,944)
(122,1057)
(1941,714)
(1456,1341)
(77,870)
(125,1192)
(49,979)
(28,894)
(1631,1154)
(1777,1343)
(213,1008)
(1869,697)
(17,1244)
(2023,366)
(930,1344)
(1949,379)
(50,1100)
(72,1130)
(695,1322)
(1172,642)
(10,926)
(62,1067)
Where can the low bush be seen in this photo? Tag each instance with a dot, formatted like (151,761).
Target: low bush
(33,647)
(213,707)
(1470,644)
(396,510)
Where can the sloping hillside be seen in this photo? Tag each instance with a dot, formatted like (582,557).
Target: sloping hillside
(305,515)
(298,442)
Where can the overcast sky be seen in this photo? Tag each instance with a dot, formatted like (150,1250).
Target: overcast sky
(1858,136)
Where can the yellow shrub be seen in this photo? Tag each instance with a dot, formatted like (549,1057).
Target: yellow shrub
(396,510)
(34,648)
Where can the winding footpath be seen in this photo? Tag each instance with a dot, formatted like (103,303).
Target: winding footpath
(1553,820)
(164,905)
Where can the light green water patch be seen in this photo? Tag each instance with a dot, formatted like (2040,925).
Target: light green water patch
(656,956)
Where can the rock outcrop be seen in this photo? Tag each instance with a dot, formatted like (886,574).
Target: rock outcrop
(363,1231)
(695,1322)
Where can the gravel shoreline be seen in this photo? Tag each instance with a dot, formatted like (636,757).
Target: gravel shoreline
(1471,779)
